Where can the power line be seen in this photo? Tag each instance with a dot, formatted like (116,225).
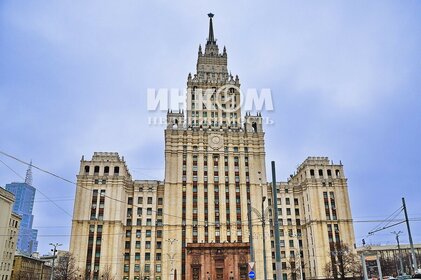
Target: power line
(50,200)
(387,221)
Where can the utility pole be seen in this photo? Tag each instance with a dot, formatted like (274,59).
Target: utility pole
(276,226)
(411,243)
(250,231)
(263,228)
(399,251)
(55,245)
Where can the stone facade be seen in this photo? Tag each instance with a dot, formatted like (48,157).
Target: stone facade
(9,231)
(195,224)
(26,267)
(314,218)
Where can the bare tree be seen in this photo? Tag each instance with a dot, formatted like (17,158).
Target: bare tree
(346,264)
(107,274)
(66,268)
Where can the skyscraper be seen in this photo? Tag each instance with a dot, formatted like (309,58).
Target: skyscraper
(196,223)
(214,166)
(23,206)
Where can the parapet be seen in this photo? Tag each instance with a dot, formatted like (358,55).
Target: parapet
(108,156)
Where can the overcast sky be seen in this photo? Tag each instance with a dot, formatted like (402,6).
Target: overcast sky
(345,78)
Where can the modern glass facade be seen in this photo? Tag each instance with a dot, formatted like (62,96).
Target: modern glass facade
(24,203)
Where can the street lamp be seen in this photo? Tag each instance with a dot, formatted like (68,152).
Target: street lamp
(399,251)
(171,256)
(55,245)
(263,220)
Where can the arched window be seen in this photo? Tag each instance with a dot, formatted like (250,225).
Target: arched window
(106,169)
(116,169)
(312,172)
(337,172)
(254,125)
(86,169)
(96,169)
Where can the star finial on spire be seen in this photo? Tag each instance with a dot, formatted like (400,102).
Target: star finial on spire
(211,38)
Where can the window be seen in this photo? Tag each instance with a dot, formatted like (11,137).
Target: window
(138,233)
(147,256)
(126,268)
(149,200)
(160,201)
(136,256)
(149,211)
(147,267)
(96,169)
(287,201)
(148,245)
(139,200)
(148,233)
(312,172)
(116,170)
(87,169)
(158,268)
(137,244)
(106,169)
(136,267)
(126,256)
(158,256)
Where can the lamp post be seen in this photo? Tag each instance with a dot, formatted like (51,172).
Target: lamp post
(399,251)
(172,256)
(262,217)
(55,245)
(263,226)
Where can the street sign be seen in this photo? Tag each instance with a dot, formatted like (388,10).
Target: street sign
(251,265)
(252,274)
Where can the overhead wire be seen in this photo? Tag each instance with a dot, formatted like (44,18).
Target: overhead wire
(37,189)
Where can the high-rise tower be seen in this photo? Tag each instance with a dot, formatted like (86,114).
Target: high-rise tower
(214,166)
(23,206)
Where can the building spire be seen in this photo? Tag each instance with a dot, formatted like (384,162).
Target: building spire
(211,38)
(28,177)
